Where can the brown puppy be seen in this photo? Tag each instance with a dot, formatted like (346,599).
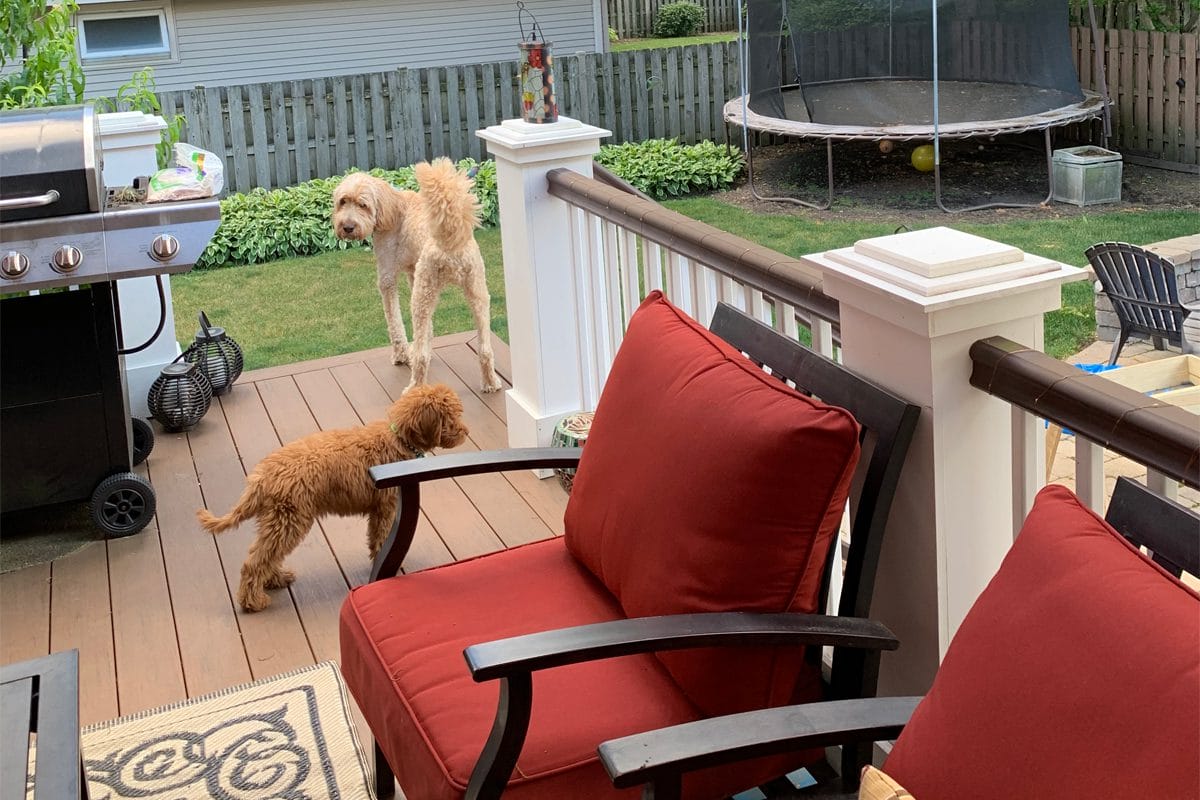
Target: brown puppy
(326,473)
(428,236)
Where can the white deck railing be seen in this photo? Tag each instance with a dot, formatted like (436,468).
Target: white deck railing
(580,255)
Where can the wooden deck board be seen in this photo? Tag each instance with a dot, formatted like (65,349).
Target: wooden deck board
(149,670)
(83,618)
(153,615)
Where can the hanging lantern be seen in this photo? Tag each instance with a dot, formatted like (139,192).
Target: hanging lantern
(218,357)
(539,104)
(179,396)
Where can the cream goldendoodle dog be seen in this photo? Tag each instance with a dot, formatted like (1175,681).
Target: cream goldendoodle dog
(326,473)
(429,236)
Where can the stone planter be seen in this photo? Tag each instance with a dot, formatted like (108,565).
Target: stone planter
(1087,175)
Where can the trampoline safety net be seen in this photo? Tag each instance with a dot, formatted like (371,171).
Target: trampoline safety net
(870,63)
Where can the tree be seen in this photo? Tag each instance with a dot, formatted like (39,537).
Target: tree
(41,39)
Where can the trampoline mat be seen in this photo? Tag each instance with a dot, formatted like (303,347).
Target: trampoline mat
(878,103)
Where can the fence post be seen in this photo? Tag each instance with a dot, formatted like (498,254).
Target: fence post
(952,521)
(539,279)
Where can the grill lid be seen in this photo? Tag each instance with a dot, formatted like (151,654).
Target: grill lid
(49,158)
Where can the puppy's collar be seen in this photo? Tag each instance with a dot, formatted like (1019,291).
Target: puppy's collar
(415,452)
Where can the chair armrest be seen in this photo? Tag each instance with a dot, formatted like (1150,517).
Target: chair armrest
(513,661)
(453,465)
(661,757)
(536,651)
(408,476)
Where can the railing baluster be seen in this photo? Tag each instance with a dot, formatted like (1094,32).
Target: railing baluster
(1029,454)
(612,280)
(1089,473)
(1162,485)
(602,296)
(679,283)
(631,272)
(590,369)
(822,337)
(653,260)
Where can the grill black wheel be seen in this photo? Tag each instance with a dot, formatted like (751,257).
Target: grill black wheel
(123,504)
(143,440)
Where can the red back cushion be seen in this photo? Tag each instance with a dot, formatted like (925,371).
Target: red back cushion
(1075,674)
(707,485)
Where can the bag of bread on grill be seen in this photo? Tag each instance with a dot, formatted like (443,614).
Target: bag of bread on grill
(197,173)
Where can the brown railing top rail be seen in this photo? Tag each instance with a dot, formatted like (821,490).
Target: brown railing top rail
(777,275)
(1162,436)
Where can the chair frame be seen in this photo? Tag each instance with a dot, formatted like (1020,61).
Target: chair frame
(887,420)
(659,759)
(1143,290)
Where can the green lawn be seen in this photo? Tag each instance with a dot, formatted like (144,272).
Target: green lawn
(677,41)
(303,308)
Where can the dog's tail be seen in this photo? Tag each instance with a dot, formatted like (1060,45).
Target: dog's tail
(452,209)
(247,506)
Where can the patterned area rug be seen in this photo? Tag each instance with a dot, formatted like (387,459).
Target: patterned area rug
(289,737)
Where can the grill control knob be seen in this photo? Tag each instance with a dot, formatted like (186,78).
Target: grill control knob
(164,247)
(66,259)
(13,265)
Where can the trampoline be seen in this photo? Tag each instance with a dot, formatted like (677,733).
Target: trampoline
(907,71)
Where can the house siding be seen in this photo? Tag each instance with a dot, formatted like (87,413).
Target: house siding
(220,43)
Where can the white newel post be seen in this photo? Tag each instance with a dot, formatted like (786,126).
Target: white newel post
(539,270)
(911,306)
(128,141)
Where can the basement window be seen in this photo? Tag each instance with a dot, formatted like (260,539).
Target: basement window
(124,34)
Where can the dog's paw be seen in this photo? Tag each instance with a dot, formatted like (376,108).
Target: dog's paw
(281,579)
(253,599)
(399,354)
(493,385)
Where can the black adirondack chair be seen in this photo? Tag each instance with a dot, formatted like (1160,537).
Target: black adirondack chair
(1167,530)
(1142,288)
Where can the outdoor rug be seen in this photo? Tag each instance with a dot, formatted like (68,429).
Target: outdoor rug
(289,737)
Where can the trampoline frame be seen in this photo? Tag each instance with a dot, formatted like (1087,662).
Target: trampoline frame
(737,111)
(1094,105)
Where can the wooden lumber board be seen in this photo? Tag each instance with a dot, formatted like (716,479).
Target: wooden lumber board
(210,639)
(25,613)
(82,618)
(145,646)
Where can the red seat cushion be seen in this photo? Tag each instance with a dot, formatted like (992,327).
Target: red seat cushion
(402,644)
(707,485)
(1076,674)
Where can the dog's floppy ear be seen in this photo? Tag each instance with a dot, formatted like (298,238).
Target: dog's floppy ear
(386,204)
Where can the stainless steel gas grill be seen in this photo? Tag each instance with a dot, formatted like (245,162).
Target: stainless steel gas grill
(65,430)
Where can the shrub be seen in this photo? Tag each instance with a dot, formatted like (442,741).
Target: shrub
(678,19)
(664,167)
(263,225)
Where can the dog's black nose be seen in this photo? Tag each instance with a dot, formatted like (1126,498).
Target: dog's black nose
(348,228)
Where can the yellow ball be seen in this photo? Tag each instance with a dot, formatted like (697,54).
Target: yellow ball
(922,158)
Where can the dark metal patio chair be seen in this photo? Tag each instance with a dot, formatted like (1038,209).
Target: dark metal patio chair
(1048,689)
(1144,295)
(693,450)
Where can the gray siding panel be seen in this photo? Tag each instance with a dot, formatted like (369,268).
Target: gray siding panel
(222,42)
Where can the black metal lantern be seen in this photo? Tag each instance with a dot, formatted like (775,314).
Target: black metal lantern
(218,357)
(179,396)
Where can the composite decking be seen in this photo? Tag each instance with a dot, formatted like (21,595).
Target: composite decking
(153,614)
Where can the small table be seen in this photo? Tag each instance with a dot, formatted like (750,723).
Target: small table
(41,696)
(1174,380)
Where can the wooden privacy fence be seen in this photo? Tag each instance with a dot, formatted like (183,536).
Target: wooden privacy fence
(1154,82)
(278,134)
(635,18)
